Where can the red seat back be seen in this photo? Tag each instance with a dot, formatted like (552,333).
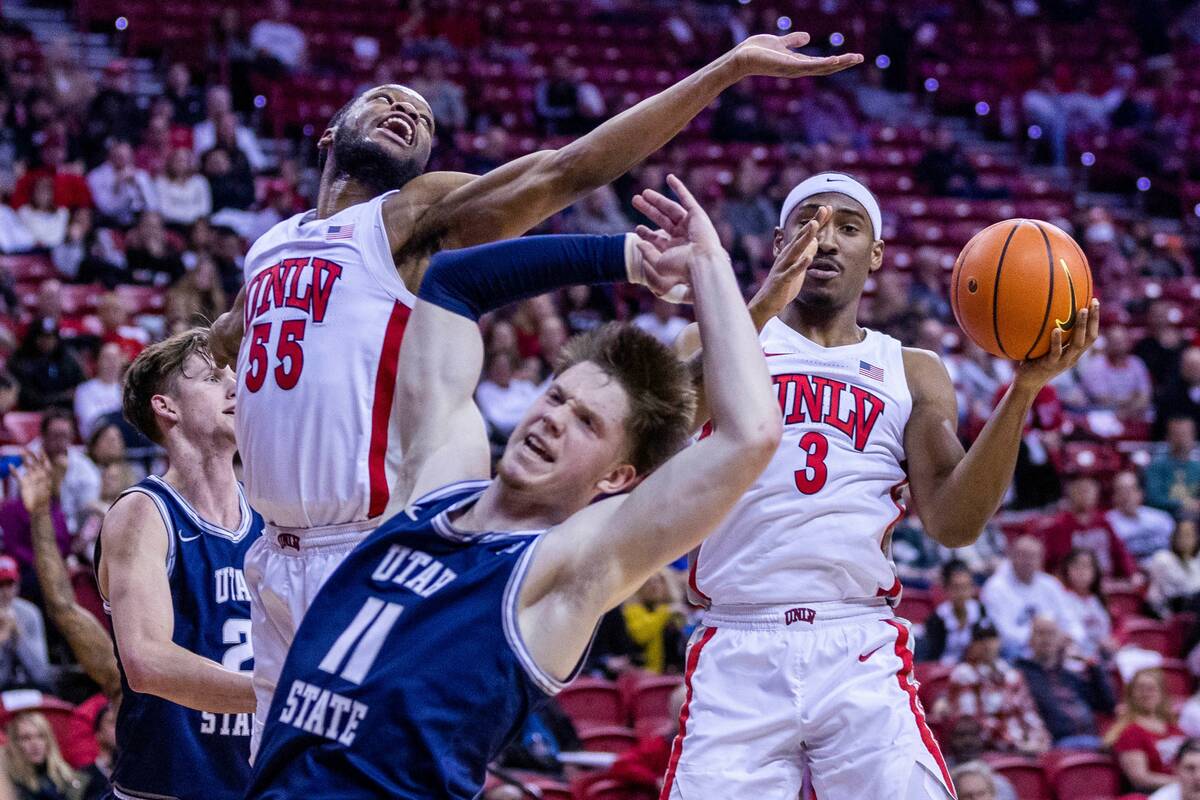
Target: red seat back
(1085,775)
(1026,776)
(650,700)
(614,739)
(592,703)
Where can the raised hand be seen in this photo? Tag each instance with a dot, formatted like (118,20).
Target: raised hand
(1037,372)
(36,481)
(786,277)
(772,56)
(685,238)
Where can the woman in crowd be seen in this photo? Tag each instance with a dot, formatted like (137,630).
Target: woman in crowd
(1145,736)
(35,765)
(948,629)
(1175,573)
(183,194)
(654,617)
(45,369)
(45,221)
(1080,576)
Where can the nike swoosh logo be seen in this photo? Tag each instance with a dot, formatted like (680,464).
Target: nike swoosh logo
(769,355)
(865,656)
(183,538)
(1070,321)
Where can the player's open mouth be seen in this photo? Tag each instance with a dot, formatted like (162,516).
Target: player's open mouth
(400,126)
(538,447)
(823,269)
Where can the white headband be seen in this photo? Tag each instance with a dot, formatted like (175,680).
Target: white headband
(838,183)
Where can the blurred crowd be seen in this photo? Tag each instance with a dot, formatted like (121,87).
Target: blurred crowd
(1070,624)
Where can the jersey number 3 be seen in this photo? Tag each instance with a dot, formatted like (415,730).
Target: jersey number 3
(289,356)
(810,479)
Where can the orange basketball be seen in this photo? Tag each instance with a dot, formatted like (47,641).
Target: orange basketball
(1014,282)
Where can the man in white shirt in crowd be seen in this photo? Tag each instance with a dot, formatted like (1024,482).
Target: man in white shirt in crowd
(102,394)
(120,189)
(1116,380)
(279,40)
(1143,529)
(503,397)
(1019,591)
(1187,769)
(24,660)
(217,103)
(662,322)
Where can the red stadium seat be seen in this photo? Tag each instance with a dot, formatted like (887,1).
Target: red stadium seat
(916,605)
(615,739)
(592,703)
(1075,775)
(1177,677)
(615,790)
(1149,634)
(1123,604)
(73,731)
(932,680)
(650,698)
(1025,774)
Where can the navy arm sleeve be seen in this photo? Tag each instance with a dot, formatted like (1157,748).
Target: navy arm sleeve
(472,281)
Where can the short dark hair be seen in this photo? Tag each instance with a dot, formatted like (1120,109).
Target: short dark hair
(662,398)
(153,371)
(1190,745)
(51,415)
(953,567)
(334,121)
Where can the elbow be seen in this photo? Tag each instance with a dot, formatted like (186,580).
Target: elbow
(141,674)
(759,443)
(952,535)
(569,168)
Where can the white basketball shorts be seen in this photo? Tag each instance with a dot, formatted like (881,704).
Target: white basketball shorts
(284,571)
(827,686)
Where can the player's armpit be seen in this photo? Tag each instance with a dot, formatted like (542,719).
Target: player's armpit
(225,338)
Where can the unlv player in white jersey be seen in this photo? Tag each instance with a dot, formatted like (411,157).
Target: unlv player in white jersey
(800,661)
(327,295)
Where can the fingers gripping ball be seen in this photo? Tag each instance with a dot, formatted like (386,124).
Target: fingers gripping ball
(1016,281)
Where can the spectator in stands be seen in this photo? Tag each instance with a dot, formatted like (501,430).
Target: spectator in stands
(151,259)
(1117,380)
(218,105)
(102,394)
(662,322)
(598,213)
(1187,774)
(739,118)
(916,555)
(230,187)
(35,764)
(445,97)
(24,660)
(114,111)
(1080,577)
(9,391)
(654,618)
(547,732)
(1083,525)
(1175,572)
(97,774)
(502,396)
(1019,591)
(927,290)
(151,154)
(1143,529)
(183,194)
(586,307)
(977,377)
(1164,341)
(985,688)
(644,766)
(1173,479)
(200,293)
(747,209)
(113,314)
(1181,393)
(120,190)
(613,652)
(46,370)
(1069,693)
(552,338)
(492,153)
(187,104)
(80,483)
(564,104)
(975,780)
(890,311)
(279,45)
(948,628)
(944,169)
(229,53)
(45,221)
(70,189)
(1145,736)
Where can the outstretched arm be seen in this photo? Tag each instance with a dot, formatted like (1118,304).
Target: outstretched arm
(604,553)
(133,569)
(226,337)
(957,492)
(517,196)
(442,354)
(88,639)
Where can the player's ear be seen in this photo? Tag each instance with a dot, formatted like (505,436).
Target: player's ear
(619,479)
(777,242)
(163,406)
(876,254)
(326,139)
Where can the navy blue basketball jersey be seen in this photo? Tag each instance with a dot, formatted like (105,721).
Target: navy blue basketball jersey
(163,749)
(408,673)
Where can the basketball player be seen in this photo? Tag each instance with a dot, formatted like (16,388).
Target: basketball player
(328,294)
(169,564)
(436,637)
(800,660)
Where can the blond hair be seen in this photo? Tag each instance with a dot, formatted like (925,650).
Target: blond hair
(1129,714)
(153,372)
(22,771)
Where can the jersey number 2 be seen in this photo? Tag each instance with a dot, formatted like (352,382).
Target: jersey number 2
(810,479)
(289,356)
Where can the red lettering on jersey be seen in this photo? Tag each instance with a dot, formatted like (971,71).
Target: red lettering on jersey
(833,390)
(867,408)
(816,398)
(325,273)
(799,615)
(293,268)
(787,403)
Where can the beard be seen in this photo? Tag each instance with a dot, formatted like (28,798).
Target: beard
(365,161)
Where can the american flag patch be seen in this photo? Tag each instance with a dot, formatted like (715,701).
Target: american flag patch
(339,232)
(870,370)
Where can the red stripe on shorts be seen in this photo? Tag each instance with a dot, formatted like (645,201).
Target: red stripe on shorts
(677,747)
(381,409)
(902,677)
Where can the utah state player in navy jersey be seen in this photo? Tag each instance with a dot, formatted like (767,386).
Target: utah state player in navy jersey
(427,648)
(169,563)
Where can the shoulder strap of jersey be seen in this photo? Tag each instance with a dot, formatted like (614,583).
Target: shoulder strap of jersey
(452,492)
(370,232)
(162,503)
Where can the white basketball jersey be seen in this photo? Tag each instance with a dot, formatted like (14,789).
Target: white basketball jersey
(816,524)
(316,416)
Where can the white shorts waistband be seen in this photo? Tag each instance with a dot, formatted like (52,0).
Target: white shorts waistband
(800,616)
(294,540)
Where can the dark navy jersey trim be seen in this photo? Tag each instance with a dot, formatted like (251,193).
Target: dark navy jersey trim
(245,524)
